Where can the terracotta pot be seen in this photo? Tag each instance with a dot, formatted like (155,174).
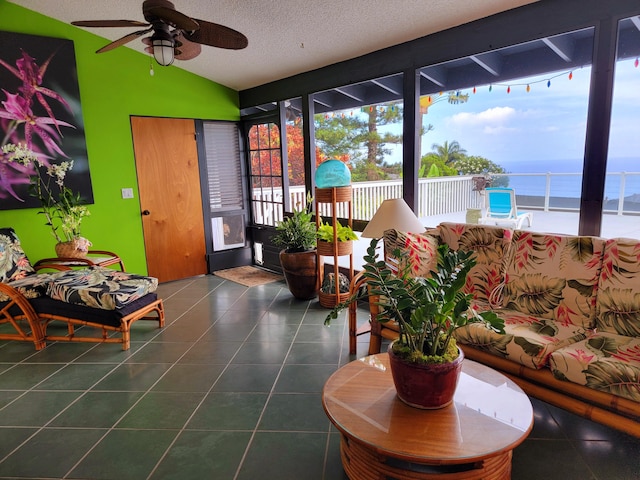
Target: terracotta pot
(426,386)
(301,273)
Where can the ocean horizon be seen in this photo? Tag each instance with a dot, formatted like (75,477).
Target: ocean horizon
(566,177)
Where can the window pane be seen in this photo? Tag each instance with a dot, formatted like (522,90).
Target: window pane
(515,116)
(622,181)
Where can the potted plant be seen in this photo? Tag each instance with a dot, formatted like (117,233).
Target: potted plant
(427,311)
(61,207)
(327,235)
(297,237)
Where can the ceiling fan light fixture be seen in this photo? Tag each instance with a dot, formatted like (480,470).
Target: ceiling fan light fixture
(163,49)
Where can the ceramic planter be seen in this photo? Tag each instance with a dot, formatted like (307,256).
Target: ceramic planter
(301,273)
(426,386)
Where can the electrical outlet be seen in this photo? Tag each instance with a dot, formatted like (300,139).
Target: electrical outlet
(127,193)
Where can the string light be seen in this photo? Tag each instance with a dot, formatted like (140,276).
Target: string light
(635,64)
(528,88)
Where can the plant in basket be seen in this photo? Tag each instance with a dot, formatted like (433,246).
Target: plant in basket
(61,207)
(427,311)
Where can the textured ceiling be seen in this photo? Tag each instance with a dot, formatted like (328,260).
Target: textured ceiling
(286,37)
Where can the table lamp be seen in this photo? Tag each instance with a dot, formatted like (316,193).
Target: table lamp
(393,213)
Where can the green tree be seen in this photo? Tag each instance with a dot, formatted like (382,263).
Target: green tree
(449,153)
(359,138)
(470,165)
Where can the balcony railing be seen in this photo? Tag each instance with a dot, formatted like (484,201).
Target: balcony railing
(442,195)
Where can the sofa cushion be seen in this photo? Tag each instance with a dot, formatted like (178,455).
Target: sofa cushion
(528,340)
(416,251)
(554,277)
(31,286)
(14,264)
(604,361)
(99,287)
(490,243)
(618,302)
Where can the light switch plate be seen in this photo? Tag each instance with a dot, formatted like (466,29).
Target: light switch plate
(127,193)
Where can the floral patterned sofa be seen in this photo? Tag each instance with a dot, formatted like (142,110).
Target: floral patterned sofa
(571,306)
(34,305)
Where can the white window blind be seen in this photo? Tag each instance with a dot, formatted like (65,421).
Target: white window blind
(222,147)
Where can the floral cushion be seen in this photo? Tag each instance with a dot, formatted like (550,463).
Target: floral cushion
(31,286)
(618,302)
(554,277)
(416,251)
(491,244)
(604,361)
(14,264)
(99,287)
(528,340)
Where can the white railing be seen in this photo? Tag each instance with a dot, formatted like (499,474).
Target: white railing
(442,195)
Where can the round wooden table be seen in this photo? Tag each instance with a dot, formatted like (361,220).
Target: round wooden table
(472,438)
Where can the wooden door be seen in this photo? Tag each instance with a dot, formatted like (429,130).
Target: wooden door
(170,197)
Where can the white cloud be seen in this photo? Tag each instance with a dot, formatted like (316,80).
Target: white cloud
(495,116)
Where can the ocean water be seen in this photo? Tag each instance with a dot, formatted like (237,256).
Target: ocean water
(623,178)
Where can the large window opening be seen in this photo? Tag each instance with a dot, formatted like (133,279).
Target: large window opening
(621,204)
(513,117)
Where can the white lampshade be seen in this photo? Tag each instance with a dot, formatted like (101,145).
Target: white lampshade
(393,213)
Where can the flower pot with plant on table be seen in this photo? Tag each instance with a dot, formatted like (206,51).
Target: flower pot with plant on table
(62,208)
(427,311)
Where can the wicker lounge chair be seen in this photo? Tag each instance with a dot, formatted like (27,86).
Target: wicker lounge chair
(97,297)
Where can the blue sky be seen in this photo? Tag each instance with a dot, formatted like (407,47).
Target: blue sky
(545,125)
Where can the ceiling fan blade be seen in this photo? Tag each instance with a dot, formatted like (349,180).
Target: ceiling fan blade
(123,40)
(217,35)
(109,23)
(187,49)
(171,17)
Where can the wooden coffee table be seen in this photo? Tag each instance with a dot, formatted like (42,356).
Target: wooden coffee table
(472,438)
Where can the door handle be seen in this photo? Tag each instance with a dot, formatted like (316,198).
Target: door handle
(146,212)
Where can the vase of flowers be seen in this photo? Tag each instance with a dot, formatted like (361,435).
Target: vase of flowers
(61,207)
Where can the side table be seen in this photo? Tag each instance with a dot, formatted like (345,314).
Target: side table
(94,258)
(381,437)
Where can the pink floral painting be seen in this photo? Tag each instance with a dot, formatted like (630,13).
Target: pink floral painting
(40,108)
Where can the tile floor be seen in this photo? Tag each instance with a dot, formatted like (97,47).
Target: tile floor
(229,389)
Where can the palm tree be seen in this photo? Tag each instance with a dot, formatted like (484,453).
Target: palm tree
(449,153)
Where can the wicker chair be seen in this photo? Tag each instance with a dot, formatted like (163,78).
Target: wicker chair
(96,297)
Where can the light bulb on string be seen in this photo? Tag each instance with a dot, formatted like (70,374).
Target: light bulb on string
(548,83)
(474,89)
(528,88)
(490,87)
(509,89)
(635,64)
(570,75)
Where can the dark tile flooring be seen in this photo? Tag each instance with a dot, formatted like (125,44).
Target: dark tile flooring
(229,389)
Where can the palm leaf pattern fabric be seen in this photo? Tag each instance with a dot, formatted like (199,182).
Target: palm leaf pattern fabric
(554,277)
(490,244)
(14,264)
(99,287)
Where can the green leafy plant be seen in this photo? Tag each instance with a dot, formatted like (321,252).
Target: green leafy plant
(427,310)
(343,232)
(297,233)
(60,206)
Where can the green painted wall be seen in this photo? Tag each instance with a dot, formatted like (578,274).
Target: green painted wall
(113,86)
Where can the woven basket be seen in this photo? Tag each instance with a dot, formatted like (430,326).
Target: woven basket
(76,248)
(330,300)
(343,248)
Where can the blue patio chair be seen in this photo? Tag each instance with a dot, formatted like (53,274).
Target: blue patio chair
(501,208)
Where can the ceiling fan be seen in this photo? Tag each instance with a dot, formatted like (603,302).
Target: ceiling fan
(175,35)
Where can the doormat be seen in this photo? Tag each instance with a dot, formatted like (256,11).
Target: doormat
(248,276)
